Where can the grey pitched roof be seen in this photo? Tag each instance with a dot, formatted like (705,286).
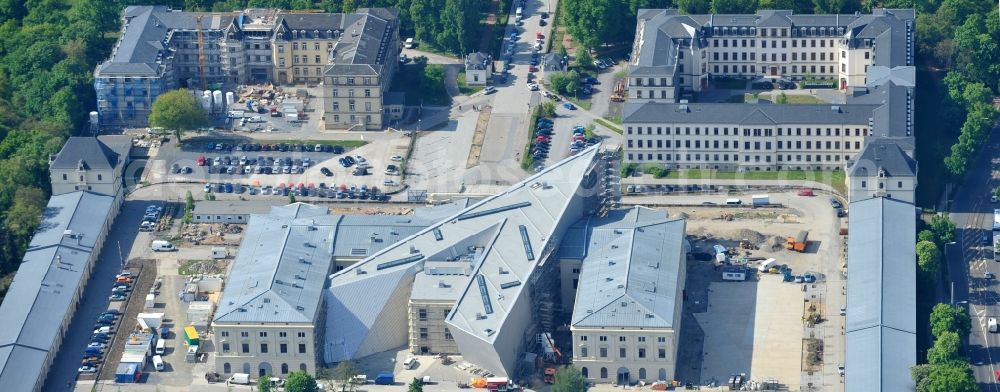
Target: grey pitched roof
(88,152)
(477,61)
(141,49)
(551,62)
(882,155)
(723,113)
(364,46)
(394,98)
(42,293)
(632,269)
(881,299)
(279,272)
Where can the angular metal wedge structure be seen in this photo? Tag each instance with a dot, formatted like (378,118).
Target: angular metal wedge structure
(508,238)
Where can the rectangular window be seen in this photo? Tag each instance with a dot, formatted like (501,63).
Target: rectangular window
(661,353)
(225,347)
(422,314)
(642,352)
(283,348)
(423,333)
(621,352)
(302,348)
(246,346)
(603,352)
(263,348)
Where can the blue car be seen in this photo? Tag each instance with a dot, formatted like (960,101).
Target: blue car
(569,106)
(228,188)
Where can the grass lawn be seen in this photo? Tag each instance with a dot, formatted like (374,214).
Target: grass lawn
(527,160)
(801,99)
(585,104)
(466,89)
(739,98)
(935,134)
(616,127)
(343,143)
(834,178)
(410,80)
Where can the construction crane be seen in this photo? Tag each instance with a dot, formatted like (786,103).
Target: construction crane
(201,52)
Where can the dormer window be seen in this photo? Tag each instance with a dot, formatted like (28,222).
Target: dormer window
(315,33)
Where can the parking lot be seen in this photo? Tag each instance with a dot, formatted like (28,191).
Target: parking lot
(258,165)
(756,327)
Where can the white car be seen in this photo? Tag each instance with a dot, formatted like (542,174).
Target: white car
(993,198)
(840,368)
(388,183)
(87,369)
(96,345)
(533,86)
(396,158)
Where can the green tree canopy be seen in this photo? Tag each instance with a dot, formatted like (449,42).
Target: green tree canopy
(955,377)
(943,229)
(945,318)
(415,386)
(178,111)
(264,383)
(548,109)
(926,235)
(946,349)
(583,58)
(300,382)
(734,6)
(929,259)
(569,379)
(693,7)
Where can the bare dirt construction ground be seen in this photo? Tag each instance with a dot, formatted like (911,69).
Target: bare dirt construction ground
(757,327)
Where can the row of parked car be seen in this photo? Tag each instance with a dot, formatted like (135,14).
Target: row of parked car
(282,147)
(105,326)
(259,165)
(343,191)
(579,140)
(152,215)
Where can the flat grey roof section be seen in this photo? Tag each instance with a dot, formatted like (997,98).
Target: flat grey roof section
(51,273)
(630,274)
(723,113)
(881,299)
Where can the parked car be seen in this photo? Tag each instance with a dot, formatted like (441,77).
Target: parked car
(326,172)
(117,297)
(87,369)
(569,106)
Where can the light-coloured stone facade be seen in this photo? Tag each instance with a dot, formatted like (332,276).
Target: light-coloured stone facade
(276,349)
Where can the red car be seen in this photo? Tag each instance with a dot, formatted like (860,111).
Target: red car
(532,68)
(806,192)
(201,160)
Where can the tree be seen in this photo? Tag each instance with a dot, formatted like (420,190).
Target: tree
(734,6)
(919,373)
(943,229)
(300,382)
(559,81)
(416,385)
(693,7)
(926,235)
(929,259)
(945,318)
(345,372)
(569,379)
(583,58)
(291,198)
(782,99)
(179,111)
(945,350)
(955,377)
(26,213)
(548,109)
(188,207)
(264,383)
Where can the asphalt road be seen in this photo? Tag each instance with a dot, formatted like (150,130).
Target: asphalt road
(124,233)
(972,213)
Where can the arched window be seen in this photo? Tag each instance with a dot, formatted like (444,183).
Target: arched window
(227,368)
(642,373)
(604,372)
(284,368)
(583,371)
(302,367)
(246,367)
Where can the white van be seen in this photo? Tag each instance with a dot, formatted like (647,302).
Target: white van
(408,44)
(734,202)
(410,362)
(162,246)
(767,264)
(161,346)
(519,13)
(992,324)
(239,378)
(158,363)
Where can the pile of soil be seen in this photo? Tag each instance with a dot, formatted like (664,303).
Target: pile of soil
(753,237)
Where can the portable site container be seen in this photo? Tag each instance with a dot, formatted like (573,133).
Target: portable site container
(128,373)
(191,335)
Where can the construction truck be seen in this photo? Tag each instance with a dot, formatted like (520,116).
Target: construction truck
(797,243)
